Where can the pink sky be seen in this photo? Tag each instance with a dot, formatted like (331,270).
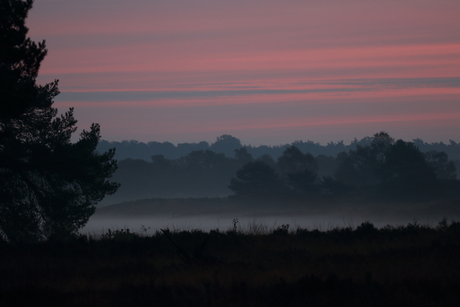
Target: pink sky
(267,72)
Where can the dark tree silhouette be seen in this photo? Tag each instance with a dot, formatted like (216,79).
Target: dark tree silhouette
(380,144)
(299,170)
(406,172)
(303,181)
(257,180)
(326,165)
(242,156)
(48,185)
(203,159)
(398,168)
(137,150)
(293,161)
(226,144)
(365,165)
(444,168)
(266,158)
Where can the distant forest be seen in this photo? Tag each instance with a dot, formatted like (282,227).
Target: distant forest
(227,144)
(297,171)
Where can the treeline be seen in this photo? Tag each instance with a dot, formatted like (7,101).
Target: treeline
(383,168)
(227,144)
(201,173)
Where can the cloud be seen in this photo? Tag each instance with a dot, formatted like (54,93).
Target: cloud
(347,85)
(151,69)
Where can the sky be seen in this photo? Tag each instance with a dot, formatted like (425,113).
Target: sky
(267,72)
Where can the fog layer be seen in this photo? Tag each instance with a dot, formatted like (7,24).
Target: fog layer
(262,219)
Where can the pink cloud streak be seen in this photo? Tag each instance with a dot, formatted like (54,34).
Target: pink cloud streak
(212,55)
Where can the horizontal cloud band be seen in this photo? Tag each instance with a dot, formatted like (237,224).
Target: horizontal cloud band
(347,85)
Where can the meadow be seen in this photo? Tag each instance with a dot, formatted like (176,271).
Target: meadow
(245,265)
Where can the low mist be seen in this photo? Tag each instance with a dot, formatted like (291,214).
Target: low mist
(260,220)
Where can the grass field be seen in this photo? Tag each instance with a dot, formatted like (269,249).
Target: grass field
(245,265)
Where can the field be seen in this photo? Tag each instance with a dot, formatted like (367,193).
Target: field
(245,265)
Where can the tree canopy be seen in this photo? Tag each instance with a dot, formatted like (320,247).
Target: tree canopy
(383,169)
(397,167)
(257,180)
(49,184)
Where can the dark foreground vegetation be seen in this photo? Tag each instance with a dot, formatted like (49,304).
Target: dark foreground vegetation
(412,265)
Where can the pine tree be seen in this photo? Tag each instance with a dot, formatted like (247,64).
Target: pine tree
(49,185)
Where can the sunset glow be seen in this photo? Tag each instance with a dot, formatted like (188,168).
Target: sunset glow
(267,72)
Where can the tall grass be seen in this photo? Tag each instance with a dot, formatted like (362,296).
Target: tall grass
(245,265)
